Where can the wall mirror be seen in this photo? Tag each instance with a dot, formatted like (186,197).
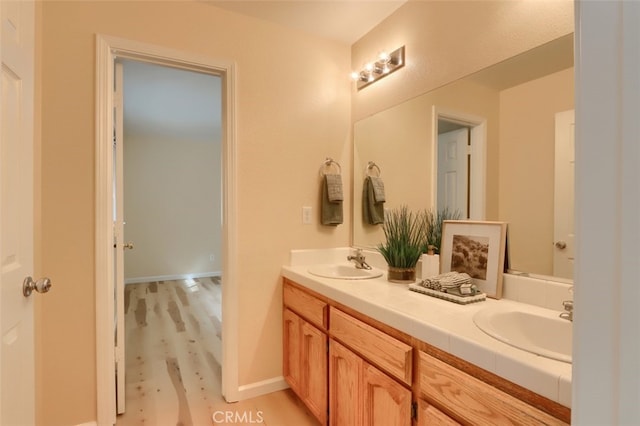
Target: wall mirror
(510,129)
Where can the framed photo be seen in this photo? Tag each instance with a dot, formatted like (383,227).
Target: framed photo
(477,248)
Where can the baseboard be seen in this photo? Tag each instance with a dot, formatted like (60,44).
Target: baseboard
(171,277)
(261,388)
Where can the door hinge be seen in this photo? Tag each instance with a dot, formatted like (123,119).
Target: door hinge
(414,410)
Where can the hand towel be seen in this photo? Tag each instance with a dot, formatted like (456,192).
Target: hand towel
(373,213)
(332,210)
(447,281)
(378,189)
(334,187)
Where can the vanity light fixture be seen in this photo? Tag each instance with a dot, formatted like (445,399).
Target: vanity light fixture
(383,66)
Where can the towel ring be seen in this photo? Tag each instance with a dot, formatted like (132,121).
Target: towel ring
(371,166)
(328,163)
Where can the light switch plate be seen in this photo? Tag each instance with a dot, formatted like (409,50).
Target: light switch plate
(306,215)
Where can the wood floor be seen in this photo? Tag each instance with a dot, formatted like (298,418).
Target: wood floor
(173,331)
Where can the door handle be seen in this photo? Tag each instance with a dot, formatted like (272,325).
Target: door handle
(561,245)
(128,245)
(43,285)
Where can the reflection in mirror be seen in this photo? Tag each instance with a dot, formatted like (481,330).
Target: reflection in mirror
(454,142)
(517,165)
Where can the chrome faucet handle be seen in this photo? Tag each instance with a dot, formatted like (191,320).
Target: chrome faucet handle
(357,256)
(568,310)
(568,305)
(360,260)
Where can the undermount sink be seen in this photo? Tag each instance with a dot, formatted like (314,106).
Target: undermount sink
(538,331)
(344,272)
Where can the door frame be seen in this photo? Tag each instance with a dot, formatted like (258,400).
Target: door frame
(478,173)
(107,48)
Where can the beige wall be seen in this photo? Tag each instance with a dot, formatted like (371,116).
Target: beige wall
(293,110)
(172,205)
(527,152)
(446,40)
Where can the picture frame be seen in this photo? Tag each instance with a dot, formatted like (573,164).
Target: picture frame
(477,248)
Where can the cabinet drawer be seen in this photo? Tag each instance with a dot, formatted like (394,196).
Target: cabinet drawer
(472,401)
(428,415)
(384,351)
(307,306)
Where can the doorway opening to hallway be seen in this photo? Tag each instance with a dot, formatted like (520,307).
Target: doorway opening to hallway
(168,238)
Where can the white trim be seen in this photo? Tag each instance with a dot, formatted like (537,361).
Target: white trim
(172,277)
(261,388)
(478,178)
(606,339)
(105,353)
(107,48)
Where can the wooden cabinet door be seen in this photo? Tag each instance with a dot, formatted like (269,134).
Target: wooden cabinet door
(345,371)
(314,366)
(385,401)
(428,415)
(291,351)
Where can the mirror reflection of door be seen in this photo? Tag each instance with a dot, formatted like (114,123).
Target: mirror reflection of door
(563,230)
(453,167)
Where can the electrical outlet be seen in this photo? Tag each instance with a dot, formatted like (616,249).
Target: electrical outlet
(306,215)
(212,257)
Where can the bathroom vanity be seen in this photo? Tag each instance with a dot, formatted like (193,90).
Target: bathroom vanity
(370,352)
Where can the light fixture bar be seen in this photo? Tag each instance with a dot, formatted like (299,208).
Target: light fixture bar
(383,66)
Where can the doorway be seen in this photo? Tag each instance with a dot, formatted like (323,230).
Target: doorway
(459,152)
(109,49)
(454,161)
(564,195)
(167,217)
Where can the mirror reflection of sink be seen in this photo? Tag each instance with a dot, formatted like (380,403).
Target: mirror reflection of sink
(344,272)
(538,331)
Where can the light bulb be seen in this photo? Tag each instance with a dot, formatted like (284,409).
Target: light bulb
(355,76)
(384,57)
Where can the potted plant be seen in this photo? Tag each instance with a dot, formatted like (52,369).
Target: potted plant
(405,236)
(433,239)
(434,227)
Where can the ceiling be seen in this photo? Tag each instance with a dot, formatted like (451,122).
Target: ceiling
(342,20)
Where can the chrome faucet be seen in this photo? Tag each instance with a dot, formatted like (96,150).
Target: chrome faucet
(568,310)
(359,259)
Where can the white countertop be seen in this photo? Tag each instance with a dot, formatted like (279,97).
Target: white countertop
(445,325)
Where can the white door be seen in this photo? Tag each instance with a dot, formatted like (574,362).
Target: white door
(16,212)
(118,244)
(563,229)
(453,170)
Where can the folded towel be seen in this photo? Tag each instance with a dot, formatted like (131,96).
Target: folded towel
(448,281)
(334,187)
(462,299)
(331,210)
(373,212)
(378,189)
